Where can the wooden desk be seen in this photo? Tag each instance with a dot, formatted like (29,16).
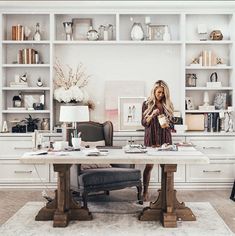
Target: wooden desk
(166,208)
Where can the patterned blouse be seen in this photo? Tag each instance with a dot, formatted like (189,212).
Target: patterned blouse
(154,134)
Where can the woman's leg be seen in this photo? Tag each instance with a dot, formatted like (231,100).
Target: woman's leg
(146,179)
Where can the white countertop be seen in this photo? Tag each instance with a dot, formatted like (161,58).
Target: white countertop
(118,156)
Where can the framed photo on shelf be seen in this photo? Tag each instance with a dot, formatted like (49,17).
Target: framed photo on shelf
(156,32)
(189,105)
(80,28)
(33,100)
(130,112)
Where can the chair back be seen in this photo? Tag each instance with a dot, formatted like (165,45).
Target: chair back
(94,131)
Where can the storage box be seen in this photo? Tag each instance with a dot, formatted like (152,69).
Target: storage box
(195,122)
(213,84)
(206,108)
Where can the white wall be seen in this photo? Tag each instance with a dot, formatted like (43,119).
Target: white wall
(124,62)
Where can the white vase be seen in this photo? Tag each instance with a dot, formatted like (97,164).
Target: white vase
(166,35)
(137,32)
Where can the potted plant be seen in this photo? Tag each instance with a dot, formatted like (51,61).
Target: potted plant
(31,123)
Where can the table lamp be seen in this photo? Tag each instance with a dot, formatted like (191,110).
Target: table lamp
(73,114)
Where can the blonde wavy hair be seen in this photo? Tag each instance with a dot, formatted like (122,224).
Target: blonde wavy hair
(166,101)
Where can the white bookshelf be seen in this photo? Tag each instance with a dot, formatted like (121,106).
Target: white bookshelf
(184,43)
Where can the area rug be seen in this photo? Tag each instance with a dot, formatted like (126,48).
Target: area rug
(116,219)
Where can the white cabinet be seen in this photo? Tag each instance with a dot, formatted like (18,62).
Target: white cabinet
(219,147)
(211,173)
(14,172)
(12,147)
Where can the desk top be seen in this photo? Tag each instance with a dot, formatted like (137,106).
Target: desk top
(119,157)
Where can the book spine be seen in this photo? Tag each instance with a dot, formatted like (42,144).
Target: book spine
(209,58)
(13,32)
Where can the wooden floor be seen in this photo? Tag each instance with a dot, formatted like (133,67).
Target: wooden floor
(12,200)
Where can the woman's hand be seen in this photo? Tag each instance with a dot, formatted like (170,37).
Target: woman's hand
(154,113)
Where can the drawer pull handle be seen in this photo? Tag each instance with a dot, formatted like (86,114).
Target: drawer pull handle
(22,148)
(211,147)
(23,171)
(211,171)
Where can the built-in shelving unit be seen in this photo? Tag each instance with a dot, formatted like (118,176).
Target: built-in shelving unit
(184,39)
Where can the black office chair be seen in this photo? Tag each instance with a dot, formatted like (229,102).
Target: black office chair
(232,197)
(119,176)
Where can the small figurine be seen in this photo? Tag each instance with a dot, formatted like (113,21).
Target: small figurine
(23,78)
(39,82)
(219,61)
(195,61)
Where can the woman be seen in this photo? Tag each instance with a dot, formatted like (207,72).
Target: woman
(158,102)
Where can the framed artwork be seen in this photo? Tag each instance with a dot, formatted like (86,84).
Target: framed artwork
(189,103)
(130,112)
(80,28)
(33,100)
(156,32)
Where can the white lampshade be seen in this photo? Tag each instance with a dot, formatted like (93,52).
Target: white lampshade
(74,113)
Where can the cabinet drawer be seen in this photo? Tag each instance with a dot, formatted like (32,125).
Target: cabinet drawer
(210,173)
(15,147)
(12,171)
(219,146)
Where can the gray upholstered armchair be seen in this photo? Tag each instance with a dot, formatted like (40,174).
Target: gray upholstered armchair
(103,179)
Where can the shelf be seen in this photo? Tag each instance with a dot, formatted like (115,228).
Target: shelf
(26,112)
(25,42)
(26,89)
(208,42)
(205,111)
(144,42)
(25,65)
(205,88)
(209,68)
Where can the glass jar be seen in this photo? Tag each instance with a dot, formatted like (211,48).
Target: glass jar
(163,121)
(101,32)
(92,34)
(110,32)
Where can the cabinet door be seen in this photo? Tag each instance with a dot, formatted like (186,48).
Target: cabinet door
(154,177)
(15,147)
(12,171)
(214,172)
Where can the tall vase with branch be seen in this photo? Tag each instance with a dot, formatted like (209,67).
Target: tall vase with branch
(70,85)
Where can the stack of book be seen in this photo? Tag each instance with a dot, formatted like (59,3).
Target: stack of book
(17,32)
(27,56)
(212,122)
(18,84)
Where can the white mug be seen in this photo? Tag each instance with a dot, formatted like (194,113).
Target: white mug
(76,142)
(60,145)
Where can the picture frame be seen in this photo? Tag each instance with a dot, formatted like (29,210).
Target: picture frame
(80,28)
(156,32)
(189,105)
(130,113)
(33,100)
